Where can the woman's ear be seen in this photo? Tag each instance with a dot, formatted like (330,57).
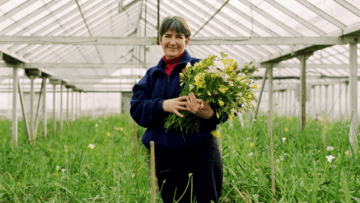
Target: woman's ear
(187,40)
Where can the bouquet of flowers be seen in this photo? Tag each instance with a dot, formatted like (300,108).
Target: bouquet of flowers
(221,83)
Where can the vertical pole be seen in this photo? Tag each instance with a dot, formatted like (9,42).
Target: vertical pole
(44,109)
(67,104)
(290,102)
(340,113)
(333,102)
(32,77)
(313,102)
(80,104)
(24,113)
(54,119)
(282,103)
(302,59)
(72,104)
(38,110)
(61,107)
(353,97)
(152,163)
(136,148)
(320,100)
(261,92)
(326,101)
(270,80)
(346,99)
(14,107)
(286,103)
(76,105)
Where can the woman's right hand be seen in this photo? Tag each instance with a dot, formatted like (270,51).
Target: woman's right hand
(176,104)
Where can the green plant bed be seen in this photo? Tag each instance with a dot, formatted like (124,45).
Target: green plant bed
(107,173)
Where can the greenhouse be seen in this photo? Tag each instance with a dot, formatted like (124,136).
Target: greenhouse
(68,70)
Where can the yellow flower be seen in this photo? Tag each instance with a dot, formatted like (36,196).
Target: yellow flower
(221,103)
(50,150)
(290,118)
(213,75)
(254,86)
(108,134)
(216,133)
(209,93)
(105,140)
(251,144)
(199,83)
(286,129)
(223,89)
(181,75)
(229,68)
(231,61)
(232,74)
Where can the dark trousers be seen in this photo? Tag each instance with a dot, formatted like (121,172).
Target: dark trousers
(202,161)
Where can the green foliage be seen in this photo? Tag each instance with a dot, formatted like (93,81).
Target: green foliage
(28,173)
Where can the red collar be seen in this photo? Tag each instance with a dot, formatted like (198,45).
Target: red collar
(175,60)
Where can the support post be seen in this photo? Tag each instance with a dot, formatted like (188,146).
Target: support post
(61,107)
(32,126)
(24,113)
(320,100)
(260,97)
(67,102)
(76,105)
(54,82)
(346,99)
(302,58)
(313,101)
(333,102)
(14,107)
(72,104)
(44,108)
(38,111)
(353,96)
(340,113)
(80,103)
(326,100)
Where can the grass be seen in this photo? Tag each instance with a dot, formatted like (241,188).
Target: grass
(29,172)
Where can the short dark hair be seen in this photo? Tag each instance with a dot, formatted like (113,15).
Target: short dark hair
(176,23)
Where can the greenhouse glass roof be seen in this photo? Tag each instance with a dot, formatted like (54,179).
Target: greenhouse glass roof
(108,45)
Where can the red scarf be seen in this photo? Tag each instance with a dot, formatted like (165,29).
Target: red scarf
(171,63)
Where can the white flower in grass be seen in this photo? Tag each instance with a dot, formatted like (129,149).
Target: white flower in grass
(91,146)
(278,160)
(225,77)
(347,152)
(96,125)
(63,170)
(89,119)
(188,64)
(248,138)
(329,148)
(250,154)
(212,69)
(57,168)
(231,83)
(99,121)
(330,158)
(283,139)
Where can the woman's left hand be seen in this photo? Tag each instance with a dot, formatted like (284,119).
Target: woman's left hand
(199,107)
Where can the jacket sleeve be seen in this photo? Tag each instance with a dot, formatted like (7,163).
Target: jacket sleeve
(144,110)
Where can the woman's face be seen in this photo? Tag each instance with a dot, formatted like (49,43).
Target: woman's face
(173,43)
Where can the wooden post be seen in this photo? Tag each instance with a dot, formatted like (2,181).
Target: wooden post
(152,162)
(61,107)
(44,108)
(313,102)
(333,102)
(67,103)
(346,99)
(38,111)
(353,96)
(24,113)
(270,79)
(302,58)
(14,107)
(340,113)
(72,104)
(32,126)
(136,148)
(326,101)
(54,119)
(260,97)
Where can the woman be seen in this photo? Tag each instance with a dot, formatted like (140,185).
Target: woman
(154,98)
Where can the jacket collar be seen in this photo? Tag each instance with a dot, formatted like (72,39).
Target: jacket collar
(184,59)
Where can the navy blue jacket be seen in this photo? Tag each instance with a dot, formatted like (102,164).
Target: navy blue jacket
(147,111)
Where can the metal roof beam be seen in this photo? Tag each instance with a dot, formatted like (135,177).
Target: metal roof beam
(82,40)
(349,7)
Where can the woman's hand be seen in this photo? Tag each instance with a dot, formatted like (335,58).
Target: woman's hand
(199,107)
(176,104)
